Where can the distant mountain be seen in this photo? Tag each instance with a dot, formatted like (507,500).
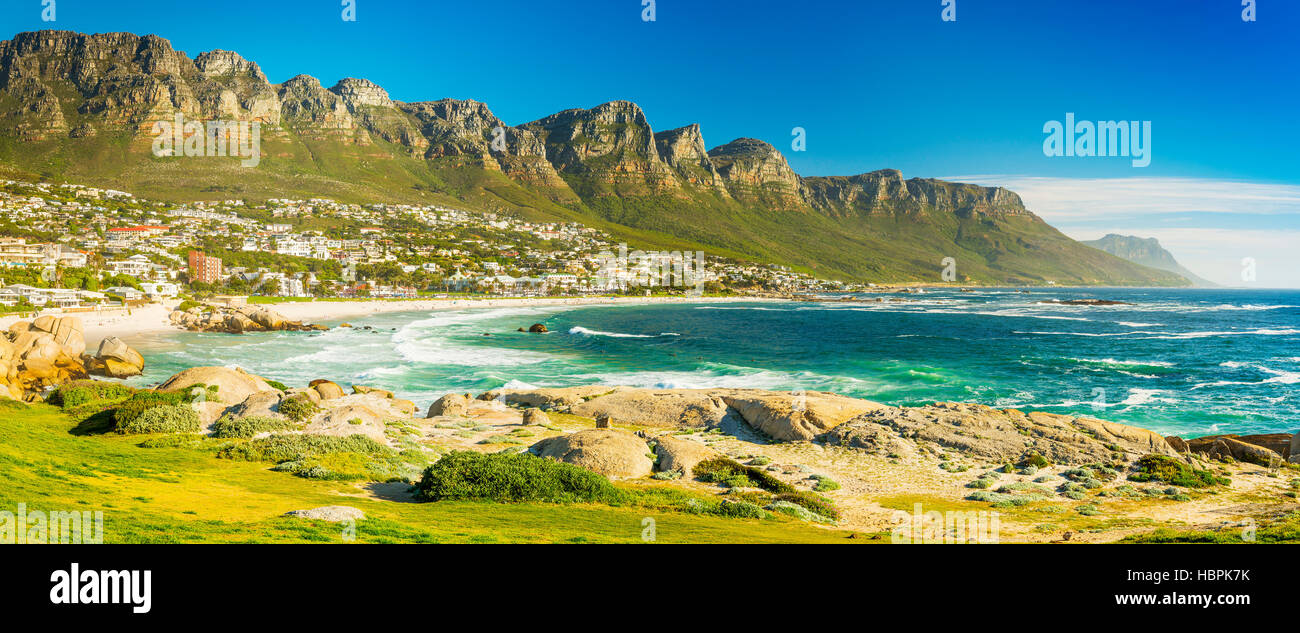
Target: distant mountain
(1147,252)
(82,107)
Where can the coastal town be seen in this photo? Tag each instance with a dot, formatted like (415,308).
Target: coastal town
(72,247)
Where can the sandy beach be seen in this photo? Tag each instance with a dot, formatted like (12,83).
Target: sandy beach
(318,311)
(121,323)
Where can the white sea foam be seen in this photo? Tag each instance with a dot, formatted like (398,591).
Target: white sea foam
(1138,397)
(577,329)
(1123,363)
(518,384)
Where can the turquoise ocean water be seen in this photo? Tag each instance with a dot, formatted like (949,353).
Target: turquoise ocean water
(1186,362)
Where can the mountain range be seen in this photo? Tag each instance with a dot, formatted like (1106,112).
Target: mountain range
(1148,252)
(82,107)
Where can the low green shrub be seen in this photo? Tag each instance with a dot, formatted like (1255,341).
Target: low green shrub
(298,408)
(825,484)
(128,410)
(173,418)
(742,509)
(80,392)
(731,473)
(1167,470)
(814,502)
(278,385)
(1035,460)
(466,475)
(249,426)
(282,448)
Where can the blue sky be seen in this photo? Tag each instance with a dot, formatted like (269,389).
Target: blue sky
(876,83)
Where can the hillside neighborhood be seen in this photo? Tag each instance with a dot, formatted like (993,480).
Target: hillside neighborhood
(77,247)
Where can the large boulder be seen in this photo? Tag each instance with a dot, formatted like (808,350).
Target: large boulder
(535,416)
(680,454)
(268,319)
(556,398)
(1224,446)
(797,416)
(452,404)
(998,435)
(67,332)
(609,452)
(351,419)
(676,408)
(308,393)
(362,390)
(233,385)
(327,390)
(263,404)
(37,345)
(1279,443)
(115,359)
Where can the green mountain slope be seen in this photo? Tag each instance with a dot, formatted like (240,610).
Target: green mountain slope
(83,108)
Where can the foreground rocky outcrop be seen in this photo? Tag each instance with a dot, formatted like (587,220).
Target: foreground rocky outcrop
(975,431)
(40,354)
(238,320)
(996,435)
(115,359)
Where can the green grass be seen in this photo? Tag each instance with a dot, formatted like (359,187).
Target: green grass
(1285,529)
(180,494)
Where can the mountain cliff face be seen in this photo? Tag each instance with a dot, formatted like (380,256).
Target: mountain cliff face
(82,107)
(755,173)
(1147,252)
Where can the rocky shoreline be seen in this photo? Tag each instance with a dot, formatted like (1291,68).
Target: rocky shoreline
(238,320)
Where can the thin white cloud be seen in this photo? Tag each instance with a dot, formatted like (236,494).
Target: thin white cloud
(1088,208)
(1093,198)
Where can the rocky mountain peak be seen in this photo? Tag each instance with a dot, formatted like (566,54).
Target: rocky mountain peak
(756,172)
(219,63)
(362,92)
(684,150)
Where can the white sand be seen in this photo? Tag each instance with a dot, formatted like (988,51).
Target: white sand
(124,324)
